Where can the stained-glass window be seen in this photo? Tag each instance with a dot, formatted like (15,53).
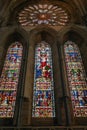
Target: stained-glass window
(9,80)
(43,94)
(76,79)
(43,14)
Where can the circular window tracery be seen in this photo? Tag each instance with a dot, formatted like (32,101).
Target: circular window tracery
(43,14)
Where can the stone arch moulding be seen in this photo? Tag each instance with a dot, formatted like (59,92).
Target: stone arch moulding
(10,38)
(74,36)
(48,35)
(44,28)
(20,34)
(81,32)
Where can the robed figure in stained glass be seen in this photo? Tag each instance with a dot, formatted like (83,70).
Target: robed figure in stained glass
(43,95)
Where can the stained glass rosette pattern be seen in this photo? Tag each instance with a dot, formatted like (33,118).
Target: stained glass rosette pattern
(76,79)
(43,94)
(43,14)
(9,80)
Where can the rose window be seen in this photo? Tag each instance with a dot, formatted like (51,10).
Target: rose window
(43,14)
